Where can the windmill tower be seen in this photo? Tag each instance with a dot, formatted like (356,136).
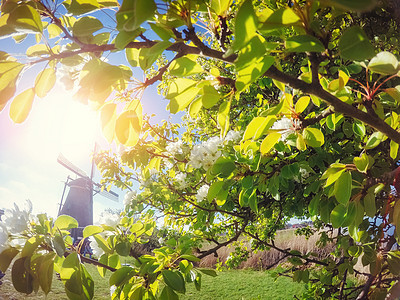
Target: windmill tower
(79,201)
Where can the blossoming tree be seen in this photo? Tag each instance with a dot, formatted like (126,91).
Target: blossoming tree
(291,111)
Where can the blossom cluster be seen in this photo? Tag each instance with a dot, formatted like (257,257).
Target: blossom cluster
(15,221)
(202,192)
(130,197)
(205,154)
(285,127)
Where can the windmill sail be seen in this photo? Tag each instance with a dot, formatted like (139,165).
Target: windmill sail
(70,166)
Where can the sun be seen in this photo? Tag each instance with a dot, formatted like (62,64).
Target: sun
(60,124)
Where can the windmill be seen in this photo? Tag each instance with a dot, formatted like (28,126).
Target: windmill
(79,201)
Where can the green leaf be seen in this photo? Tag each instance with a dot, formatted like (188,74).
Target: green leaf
(87,283)
(342,188)
(253,202)
(31,245)
(384,63)
(133,13)
(355,45)
(9,73)
(220,6)
(121,276)
(313,137)
(132,55)
(369,204)
(258,127)
(46,272)
(394,149)
(223,167)
(37,50)
(251,73)
(25,18)
(163,32)
(374,140)
(65,222)
(22,105)
(363,163)
(190,257)
(246,24)
(102,244)
(223,116)
(174,280)
(6,257)
(53,30)
(108,119)
(147,56)
(86,26)
(59,245)
(302,104)
(269,142)
(181,92)
(128,128)
(354,5)
(209,96)
(124,38)
(166,294)
(78,7)
(185,66)
(214,190)
(123,248)
(338,215)
(303,43)
(283,17)
(44,82)
(21,277)
(92,230)
(209,272)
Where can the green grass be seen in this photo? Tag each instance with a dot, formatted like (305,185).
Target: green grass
(244,285)
(231,285)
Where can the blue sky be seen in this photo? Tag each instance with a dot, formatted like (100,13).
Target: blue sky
(28,152)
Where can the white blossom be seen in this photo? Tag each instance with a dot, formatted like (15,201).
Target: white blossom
(17,220)
(109,219)
(3,238)
(113,288)
(284,126)
(180,179)
(233,136)
(97,251)
(205,154)
(202,192)
(129,197)
(167,163)
(175,148)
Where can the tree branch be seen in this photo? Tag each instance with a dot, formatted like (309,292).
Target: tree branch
(338,105)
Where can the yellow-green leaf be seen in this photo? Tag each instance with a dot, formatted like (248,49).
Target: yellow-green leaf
(394,149)
(313,137)
(302,104)
(22,105)
(127,128)
(185,66)
(246,24)
(25,18)
(44,82)
(269,142)
(54,31)
(108,117)
(86,26)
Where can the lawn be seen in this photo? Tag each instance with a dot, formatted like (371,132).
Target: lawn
(232,285)
(244,285)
